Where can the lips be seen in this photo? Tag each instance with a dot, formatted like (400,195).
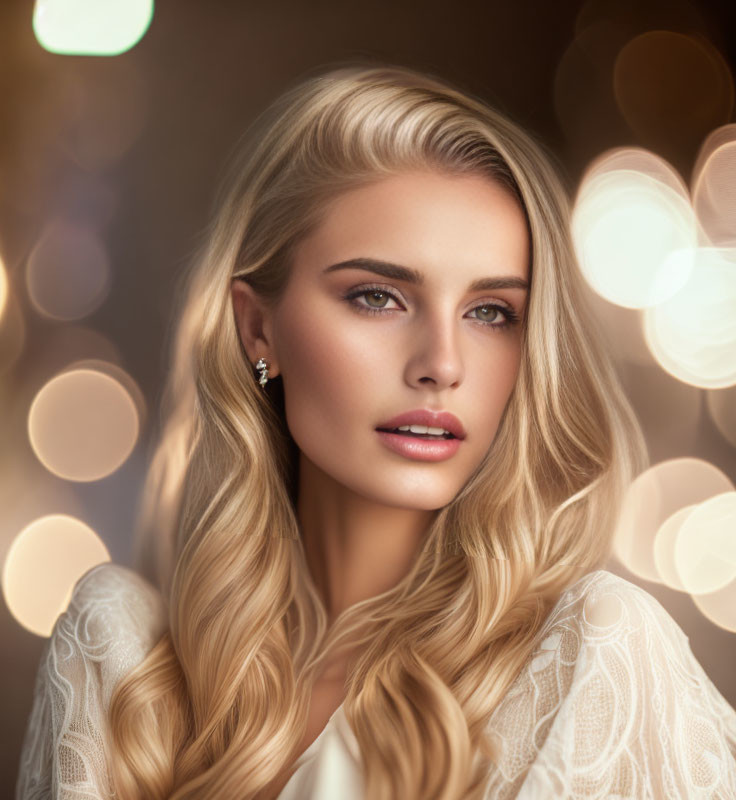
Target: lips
(424,416)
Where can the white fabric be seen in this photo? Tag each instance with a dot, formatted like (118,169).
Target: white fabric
(113,619)
(612,704)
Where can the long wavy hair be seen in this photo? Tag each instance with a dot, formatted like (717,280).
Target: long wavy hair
(219,705)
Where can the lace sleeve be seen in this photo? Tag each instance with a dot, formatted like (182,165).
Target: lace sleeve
(113,619)
(614,705)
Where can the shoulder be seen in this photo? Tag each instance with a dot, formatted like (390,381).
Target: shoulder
(114,617)
(614,703)
(602,604)
(112,589)
(607,629)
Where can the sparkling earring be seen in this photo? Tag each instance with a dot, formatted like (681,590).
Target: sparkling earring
(263,367)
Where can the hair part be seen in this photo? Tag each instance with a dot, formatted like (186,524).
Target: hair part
(216,706)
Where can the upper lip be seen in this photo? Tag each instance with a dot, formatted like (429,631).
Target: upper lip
(423,416)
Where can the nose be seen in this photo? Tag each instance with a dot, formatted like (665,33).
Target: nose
(435,356)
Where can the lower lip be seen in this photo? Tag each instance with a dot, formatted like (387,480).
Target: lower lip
(420,449)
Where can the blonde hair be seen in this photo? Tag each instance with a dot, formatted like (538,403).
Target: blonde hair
(223,697)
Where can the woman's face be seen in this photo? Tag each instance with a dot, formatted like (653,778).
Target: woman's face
(356,348)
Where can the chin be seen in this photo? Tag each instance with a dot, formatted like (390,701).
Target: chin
(426,499)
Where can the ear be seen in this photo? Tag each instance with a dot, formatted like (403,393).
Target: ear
(254,323)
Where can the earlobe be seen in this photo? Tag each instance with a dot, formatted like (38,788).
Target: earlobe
(252,321)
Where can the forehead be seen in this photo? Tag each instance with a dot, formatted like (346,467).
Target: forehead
(464,225)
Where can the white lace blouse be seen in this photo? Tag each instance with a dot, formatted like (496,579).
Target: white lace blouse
(612,704)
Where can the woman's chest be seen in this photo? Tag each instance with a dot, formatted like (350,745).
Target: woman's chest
(327,696)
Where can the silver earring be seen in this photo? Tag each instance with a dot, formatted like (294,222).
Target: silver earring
(263,367)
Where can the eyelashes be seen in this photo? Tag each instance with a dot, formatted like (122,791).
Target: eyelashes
(511,318)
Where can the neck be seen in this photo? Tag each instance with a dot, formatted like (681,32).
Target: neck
(356,548)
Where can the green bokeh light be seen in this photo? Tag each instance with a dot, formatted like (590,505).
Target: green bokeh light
(91,27)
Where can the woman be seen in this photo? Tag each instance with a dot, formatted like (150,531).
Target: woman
(354,608)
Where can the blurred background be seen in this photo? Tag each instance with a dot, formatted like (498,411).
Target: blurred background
(117,124)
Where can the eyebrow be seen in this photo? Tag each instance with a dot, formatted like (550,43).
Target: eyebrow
(400,273)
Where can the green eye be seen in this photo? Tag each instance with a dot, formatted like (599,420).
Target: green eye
(492,309)
(374,293)
(376,299)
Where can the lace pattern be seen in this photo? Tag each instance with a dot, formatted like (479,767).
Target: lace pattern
(114,618)
(612,704)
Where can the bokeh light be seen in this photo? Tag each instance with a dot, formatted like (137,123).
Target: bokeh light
(83,425)
(692,335)
(664,548)
(67,272)
(705,547)
(672,88)
(43,564)
(714,186)
(91,27)
(652,498)
(117,373)
(718,605)
(631,229)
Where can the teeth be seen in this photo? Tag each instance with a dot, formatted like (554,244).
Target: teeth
(423,429)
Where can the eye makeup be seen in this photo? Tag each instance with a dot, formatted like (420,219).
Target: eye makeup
(511,318)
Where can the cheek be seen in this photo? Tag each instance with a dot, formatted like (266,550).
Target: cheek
(328,375)
(495,382)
